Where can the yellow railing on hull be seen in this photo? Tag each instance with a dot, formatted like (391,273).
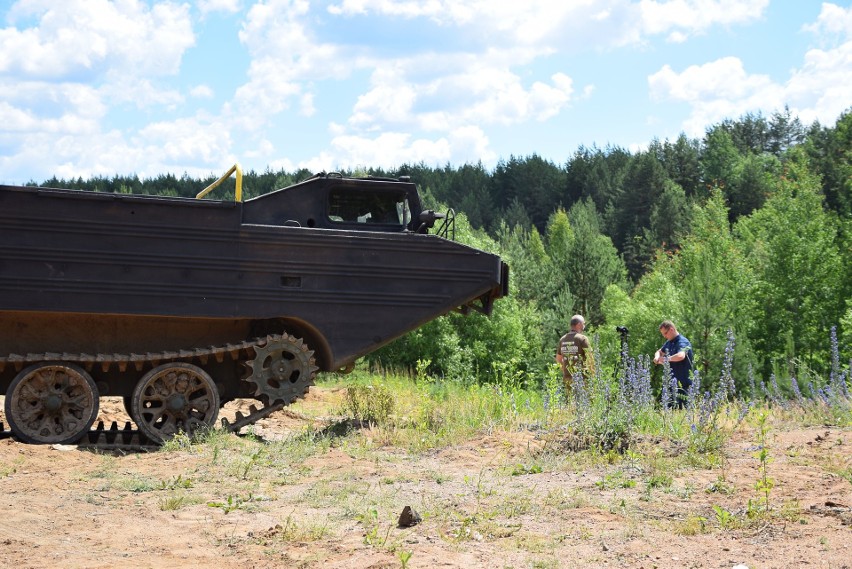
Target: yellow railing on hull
(238,191)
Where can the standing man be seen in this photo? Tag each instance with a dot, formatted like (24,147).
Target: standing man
(678,351)
(574,352)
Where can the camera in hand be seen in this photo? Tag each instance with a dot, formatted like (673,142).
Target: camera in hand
(621,329)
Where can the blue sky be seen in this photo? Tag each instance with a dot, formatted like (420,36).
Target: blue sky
(93,87)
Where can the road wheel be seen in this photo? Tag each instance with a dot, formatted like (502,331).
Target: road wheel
(51,403)
(172,398)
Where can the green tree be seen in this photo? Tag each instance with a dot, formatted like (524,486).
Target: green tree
(524,251)
(596,174)
(785,132)
(752,180)
(792,243)
(516,215)
(716,282)
(591,263)
(643,186)
(655,298)
(719,158)
(750,133)
(469,191)
(670,218)
(682,161)
(830,149)
(556,300)
(467,347)
(535,182)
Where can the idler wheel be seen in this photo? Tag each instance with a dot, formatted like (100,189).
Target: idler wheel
(174,397)
(51,403)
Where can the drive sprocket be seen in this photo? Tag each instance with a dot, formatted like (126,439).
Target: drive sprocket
(282,370)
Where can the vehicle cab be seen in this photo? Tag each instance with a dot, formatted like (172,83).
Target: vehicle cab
(330,201)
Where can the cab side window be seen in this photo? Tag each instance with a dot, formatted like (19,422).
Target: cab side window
(368,207)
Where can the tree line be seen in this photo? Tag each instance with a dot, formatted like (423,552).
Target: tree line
(745,232)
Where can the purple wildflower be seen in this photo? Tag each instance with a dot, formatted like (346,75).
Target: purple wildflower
(834,374)
(694,391)
(726,381)
(751,382)
(775,394)
(795,386)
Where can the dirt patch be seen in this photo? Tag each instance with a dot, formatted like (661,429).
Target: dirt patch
(296,498)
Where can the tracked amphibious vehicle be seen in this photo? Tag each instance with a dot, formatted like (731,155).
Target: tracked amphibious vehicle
(180,305)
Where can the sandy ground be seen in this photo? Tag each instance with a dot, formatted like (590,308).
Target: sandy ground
(501,500)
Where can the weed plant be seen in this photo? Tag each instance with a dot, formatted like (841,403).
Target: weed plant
(423,414)
(761,507)
(608,410)
(610,413)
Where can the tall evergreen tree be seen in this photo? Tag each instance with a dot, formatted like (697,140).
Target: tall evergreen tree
(670,218)
(469,191)
(785,132)
(643,185)
(830,149)
(534,182)
(556,299)
(592,263)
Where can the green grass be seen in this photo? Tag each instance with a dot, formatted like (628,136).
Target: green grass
(380,442)
(175,501)
(424,416)
(7,469)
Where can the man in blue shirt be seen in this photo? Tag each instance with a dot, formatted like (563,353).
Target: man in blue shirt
(678,351)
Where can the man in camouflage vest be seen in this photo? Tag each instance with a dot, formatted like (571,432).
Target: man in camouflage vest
(574,352)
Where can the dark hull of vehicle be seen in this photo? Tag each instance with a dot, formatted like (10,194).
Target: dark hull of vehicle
(87,273)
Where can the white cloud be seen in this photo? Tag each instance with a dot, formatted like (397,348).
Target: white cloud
(227,6)
(444,90)
(715,91)
(196,145)
(821,89)
(818,90)
(676,17)
(29,106)
(470,66)
(446,87)
(832,19)
(287,165)
(95,38)
(65,65)
(306,106)
(142,94)
(202,92)
(184,140)
(263,148)
(470,144)
(390,149)
(573,24)
(286,59)
(480,91)
(724,78)
(390,101)
(545,24)
(428,91)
